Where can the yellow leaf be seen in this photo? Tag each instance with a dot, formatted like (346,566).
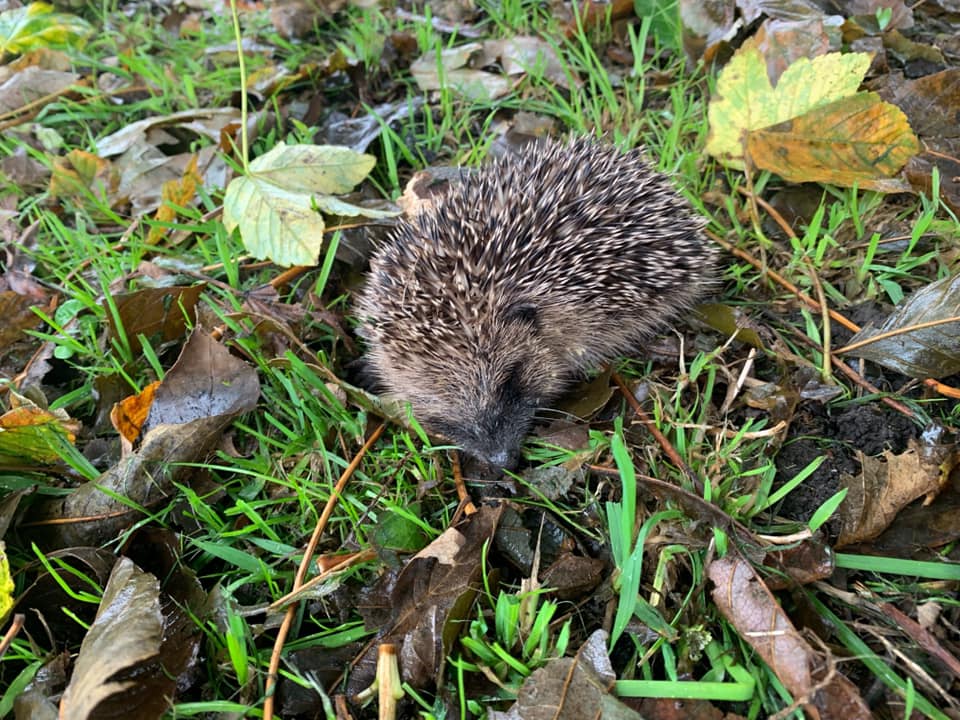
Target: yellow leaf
(745,100)
(855,140)
(174,194)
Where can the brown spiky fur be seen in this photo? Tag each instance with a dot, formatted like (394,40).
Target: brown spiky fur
(529,272)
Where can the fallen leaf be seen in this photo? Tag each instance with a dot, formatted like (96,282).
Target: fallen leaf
(932,351)
(32,435)
(571,689)
(857,140)
(931,102)
(160,315)
(422,611)
(37,25)
(126,633)
(129,415)
(886,485)
(783,42)
(745,99)
(749,606)
(275,205)
(79,174)
(208,123)
(449,71)
(199,397)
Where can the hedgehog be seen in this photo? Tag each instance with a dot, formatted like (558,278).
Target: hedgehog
(521,279)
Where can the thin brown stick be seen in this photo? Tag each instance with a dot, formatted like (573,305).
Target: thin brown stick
(283,631)
(667,446)
(15,625)
(893,333)
(826,373)
(780,280)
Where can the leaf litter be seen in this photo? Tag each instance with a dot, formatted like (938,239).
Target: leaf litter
(129,518)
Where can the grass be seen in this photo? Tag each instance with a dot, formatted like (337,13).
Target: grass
(239,525)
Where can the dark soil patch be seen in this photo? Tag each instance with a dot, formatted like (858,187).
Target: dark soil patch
(816,432)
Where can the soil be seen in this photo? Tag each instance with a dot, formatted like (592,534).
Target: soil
(815,431)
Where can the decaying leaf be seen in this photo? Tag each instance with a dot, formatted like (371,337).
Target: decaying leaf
(126,633)
(200,396)
(175,193)
(450,70)
(79,174)
(32,435)
(747,603)
(932,351)
(750,607)
(160,315)
(129,415)
(571,689)
(422,611)
(37,25)
(856,140)
(887,484)
(745,100)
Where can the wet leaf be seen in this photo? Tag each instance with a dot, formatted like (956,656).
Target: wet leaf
(161,314)
(129,415)
(857,140)
(931,102)
(31,435)
(37,25)
(730,320)
(571,689)
(275,206)
(927,352)
(886,485)
(745,100)
(126,633)
(806,562)
(921,525)
(201,395)
(424,610)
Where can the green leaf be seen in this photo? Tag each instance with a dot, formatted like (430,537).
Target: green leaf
(275,205)
(274,223)
(327,169)
(37,26)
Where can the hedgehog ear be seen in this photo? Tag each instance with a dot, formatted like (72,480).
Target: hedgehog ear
(524,311)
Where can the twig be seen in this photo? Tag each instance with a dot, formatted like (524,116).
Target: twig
(780,280)
(273,672)
(655,431)
(893,333)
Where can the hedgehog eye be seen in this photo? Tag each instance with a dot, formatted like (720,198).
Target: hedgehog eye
(524,312)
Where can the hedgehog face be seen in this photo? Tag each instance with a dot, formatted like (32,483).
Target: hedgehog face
(482,394)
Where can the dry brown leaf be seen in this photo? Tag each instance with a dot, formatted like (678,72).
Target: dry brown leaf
(159,314)
(423,610)
(175,193)
(751,608)
(886,485)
